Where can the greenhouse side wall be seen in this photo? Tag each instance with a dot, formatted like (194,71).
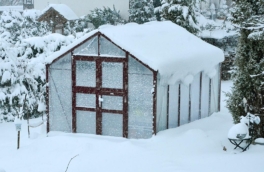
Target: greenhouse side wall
(215,91)
(60,95)
(140,98)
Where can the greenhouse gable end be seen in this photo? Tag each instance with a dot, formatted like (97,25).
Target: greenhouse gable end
(132,81)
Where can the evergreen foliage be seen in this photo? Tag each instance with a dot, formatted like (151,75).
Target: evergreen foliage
(157,3)
(249,64)
(141,11)
(181,13)
(103,16)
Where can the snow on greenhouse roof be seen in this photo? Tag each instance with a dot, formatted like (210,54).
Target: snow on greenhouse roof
(63,9)
(163,46)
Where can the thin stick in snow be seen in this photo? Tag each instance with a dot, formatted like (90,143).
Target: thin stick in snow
(70,162)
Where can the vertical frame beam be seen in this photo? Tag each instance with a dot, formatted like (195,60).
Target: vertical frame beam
(219,86)
(155,76)
(47,97)
(179,105)
(200,96)
(98,104)
(210,95)
(125,97)
(168,106)
(74,129)
(190,103)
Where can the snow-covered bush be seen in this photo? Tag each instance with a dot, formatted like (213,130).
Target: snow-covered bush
(103,16)
(141,11)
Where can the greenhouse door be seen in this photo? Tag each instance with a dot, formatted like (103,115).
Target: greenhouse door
(99,96)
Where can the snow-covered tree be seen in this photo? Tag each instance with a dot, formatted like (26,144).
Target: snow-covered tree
(157,3)
(223,9)
(141,11)
(103,16)
(181,13)
(248,75)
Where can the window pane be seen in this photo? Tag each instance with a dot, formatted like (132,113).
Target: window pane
(85,74)
(85,100)
(112,102)
(112,124)
(112,75)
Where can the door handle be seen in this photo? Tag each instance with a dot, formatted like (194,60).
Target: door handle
(100,100)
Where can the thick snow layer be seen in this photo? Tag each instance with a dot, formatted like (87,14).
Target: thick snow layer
(194,147)
(259,140)
(164,46)
(64,10)
(238,130)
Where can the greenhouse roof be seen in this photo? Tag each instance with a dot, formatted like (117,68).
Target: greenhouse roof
(64,10)
(163,46)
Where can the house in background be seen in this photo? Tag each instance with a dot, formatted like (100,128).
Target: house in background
(28,4)
(132,81)
(57,15)
(83,7)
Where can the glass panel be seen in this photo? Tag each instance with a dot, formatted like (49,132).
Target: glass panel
(173,105)
(107,48)
(85,73)
(63,63)
(112,102)
(184,109)
(86,122)
(140,97)
(112,124)
(112,75)
(90,47)
(205,96)
(85,100)
(214,91)
(195,97)
(60,100)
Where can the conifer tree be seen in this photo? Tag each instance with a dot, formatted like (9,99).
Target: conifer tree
(248,74)
(181,13)
(141,11)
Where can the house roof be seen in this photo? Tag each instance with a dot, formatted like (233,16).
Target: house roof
(163,46)
(63,9)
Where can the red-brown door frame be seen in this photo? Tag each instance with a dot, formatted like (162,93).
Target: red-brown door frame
(98,90)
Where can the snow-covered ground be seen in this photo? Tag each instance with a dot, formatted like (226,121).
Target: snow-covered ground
(194,147)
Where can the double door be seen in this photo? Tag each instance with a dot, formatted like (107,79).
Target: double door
(100,96)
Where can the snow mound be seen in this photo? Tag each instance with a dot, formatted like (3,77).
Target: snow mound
(238,130)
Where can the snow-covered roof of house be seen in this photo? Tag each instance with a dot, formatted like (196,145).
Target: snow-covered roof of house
(12,8)
(63,9)
(163,46)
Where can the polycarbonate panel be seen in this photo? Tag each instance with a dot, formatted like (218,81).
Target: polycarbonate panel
(205,97)
(86,100)
(112,124)
(112,75)
(161,119)
(63,63)
(184,106)
(108,49)
(140,100)
(90,47)
(214,91)
(60,100)
(112,102)
(86,73)
(85,122)
(195,97)
(173,105)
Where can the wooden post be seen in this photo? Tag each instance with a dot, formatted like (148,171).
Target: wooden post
(18,139)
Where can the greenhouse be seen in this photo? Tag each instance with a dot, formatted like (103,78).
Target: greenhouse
(132,81)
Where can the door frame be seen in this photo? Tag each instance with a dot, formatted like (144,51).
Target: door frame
(98,91)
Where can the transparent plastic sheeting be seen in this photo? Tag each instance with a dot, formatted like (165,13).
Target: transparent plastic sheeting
(86,73)
(140,98)
(161,120)
(112,75)
(86,100)
(184,106)
(108,49)
(60,95)
(195,97)
(112,124)
(173,105)
(112,102)
(86,122)
(205,96)
(215,92)
(90,47)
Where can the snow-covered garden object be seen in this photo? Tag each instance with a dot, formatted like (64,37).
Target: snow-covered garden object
(57,15)
(18,123)
(259,141)
(103,83)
